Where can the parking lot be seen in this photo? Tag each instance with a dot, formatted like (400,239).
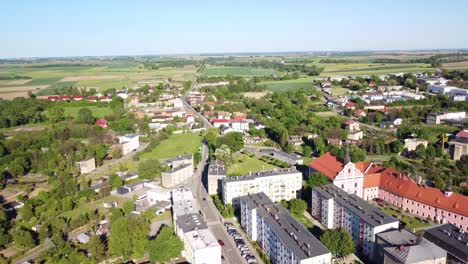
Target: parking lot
(246,250)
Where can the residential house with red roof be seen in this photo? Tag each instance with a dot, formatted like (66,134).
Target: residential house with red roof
(65,98)
(92,98)
(102,123)
(360,113)
(370,181)
(78,97)
(350,105)
(218,122)
(105,98)
(53,98)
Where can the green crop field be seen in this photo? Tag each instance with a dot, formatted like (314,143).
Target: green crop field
(239,71)
(245,164)
(373,68)
(289,85)
(101,75)
(177,144)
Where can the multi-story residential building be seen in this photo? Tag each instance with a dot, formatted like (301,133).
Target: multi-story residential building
(370,181)
(200,245)
(459,146)
(183,202)
(216,172)
(181,170)
(452,239)
(403,246)
(442,118)
(277,185)
(86,166)
(335,208)
(283,239)
(128,143)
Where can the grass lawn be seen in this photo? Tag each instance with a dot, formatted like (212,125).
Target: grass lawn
(339,90)
(411,222)
(245,164)
(238,71)
(372,68)
(89,207)
(303,220)
(177,144)
(289,85)
(98,112)
(435,131)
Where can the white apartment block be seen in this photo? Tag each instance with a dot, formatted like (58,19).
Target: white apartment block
(277,185)
(183,202)
(282,238)
(200,245)
(129,143)
(335,208)
(412,143)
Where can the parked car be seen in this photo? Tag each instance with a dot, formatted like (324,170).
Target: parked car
(245,253)
(221,243)
(244,249)
(239,241)
(251,260)
(241,245)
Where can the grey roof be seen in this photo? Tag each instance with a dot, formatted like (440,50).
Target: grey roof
(370,214)
(178,168)
(181,157)
(190,222)
(450,238)
(423,251)
(258,174)
(292,233)
(398,237)
(280,153)
(217,167)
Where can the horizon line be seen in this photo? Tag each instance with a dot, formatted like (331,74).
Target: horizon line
(208,54)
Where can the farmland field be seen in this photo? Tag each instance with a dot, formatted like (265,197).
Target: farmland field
(177,144)
(239,71)
(368,69)
(102,75)
(289,85)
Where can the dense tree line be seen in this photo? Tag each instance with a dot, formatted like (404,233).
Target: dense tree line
(21,111)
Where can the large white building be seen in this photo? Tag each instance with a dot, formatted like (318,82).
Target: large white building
(200,245)
(277,185)
(282,238)
(440,118)
(335,208)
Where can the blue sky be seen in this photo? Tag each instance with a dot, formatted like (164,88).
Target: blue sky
(113,27)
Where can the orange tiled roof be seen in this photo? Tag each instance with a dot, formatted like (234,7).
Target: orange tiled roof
(395,182)
(328,165)
(406,187)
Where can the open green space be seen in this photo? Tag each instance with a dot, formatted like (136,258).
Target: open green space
(289,85)
(245,164)
(374,68)
(410,221)
(98,112)
(238,71)
(176,144)
(90,207)
(338,90)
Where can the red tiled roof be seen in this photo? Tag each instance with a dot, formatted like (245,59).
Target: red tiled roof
(220,120)
(328,165)
(406,187)
(395,182)
(77,96)
(350,104)
(463,134)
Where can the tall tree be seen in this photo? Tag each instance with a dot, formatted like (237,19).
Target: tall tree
(338,241)
(85,116)
(165,247)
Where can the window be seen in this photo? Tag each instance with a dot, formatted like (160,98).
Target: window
(355,184)
(342,186)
